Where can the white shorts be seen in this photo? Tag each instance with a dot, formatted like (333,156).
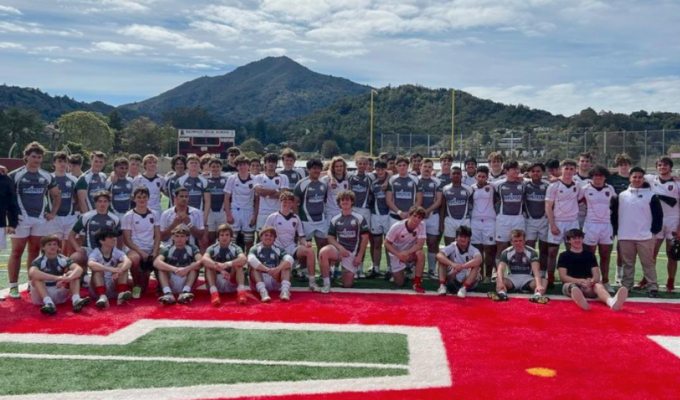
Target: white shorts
(271,284)
(225,285)
(537,229)
(432,225)
(261,220)
(58,295)
(380,224)
(563,227)
(397,265)
(177,283)
(315,229)
(364,212)
(670,226)
(3,239)
(598,233)
(62,226)
(451,225)
(506,224)
(459,277)
(520,281)
(111,289)
(292,249)
(215,219)
(242,220)
(483,231)
(347,263)
(29,226)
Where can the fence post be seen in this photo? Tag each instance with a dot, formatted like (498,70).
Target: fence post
(645,149)
(663,141)
(605,144)
(429,152)
(585,141)
(624,141)
(397,152)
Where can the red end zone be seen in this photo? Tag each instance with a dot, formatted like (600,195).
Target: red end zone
(489,345)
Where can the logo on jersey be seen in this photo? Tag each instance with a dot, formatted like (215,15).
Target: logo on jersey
(431,184)
(487,189)
(69,184)
(670,187)
(158,185)
(574,189)
(353,222)
(519,187)
(462,192)
(409,184)
(276,181)
(606,194)
(41,180)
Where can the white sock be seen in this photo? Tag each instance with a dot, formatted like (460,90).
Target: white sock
(213,289)
(241,288)
(75,298)
(166,290)
(537,294)
(610,302)
(48,300)
(15,284)
(260,286)
(311,279)
(502,292)
(285,285)
(431,261)
(186,289)
(326,282)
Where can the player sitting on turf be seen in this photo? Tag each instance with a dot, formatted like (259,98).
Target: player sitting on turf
(524,271)
(459,264)
(270,266)
(224,263)
(109,267)
(404,242)
(580,275)
(347,241)
(178,267)
(48,275)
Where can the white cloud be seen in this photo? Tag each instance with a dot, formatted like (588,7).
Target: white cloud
(344,53)
(162,35)
(119,48)
(10,45)
(304,60)
(56,60)
(274,51)
(109,6)
(224,32)
(197,66)
(7,10)
(650,61)
(36,29)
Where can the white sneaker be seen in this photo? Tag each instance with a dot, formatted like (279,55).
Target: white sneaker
(285,294)
(102,302)
(326,289)
(313,287)
(442,290)
(264,296)
(619,299)
(579,298)
(619,275)
(462,292)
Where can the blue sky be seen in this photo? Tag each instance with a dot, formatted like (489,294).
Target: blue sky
(557,55)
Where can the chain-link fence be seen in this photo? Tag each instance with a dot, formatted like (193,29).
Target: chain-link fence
(540,144)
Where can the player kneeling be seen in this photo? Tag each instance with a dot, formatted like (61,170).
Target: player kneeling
(404,242)
(109,267)
(270,266)
(224,263)
(524,271)
(581,276)
(49,273)
(459,264)
(178,267)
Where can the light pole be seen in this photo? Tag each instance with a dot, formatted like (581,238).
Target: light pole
(371,144)
(453,117)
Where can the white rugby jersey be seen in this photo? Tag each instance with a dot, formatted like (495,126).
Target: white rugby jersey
(493,178)
(483,202)
(141,227)
(195,217)
(581,182)
(241,193)
(156,186)
(332,206)
(565,198)
(116,258)
(455,254)
(287,227)
(597,202)
(469,180)
(402,238)
(278,182)
(665,188)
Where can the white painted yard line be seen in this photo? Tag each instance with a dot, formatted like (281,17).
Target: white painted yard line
(670,343)
(201,360)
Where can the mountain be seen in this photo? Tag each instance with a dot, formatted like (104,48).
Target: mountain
(276,89)
(49,107)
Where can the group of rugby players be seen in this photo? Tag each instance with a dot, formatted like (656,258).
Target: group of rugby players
(505,222)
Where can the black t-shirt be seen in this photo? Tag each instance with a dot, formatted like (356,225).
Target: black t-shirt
(578,265)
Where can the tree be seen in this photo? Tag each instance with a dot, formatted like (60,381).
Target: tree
(253,145)
(20,127)
(189,118)
(143,136)
(116,125)
(329,149)
(88,128)
(168,140)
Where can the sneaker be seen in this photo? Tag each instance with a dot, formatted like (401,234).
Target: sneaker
(326,289)
(167,299)
(14,293)
(313,287)
(487,280)
(264,296)
(609,288)
(82,302)
(539,299)
(442,290)
(102,302)
(124,297)
(497,296)
(48,309)
(215,299)
(388,276)
(285,294)
(619,275)
(418,288)
(619,299)
(359,274)
(579,298)
(241,297)
(462,292)
(185,298)
(670,286)
(653,294)
(136,292)
(641,285)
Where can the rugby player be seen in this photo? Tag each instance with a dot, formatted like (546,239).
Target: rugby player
(268,187)
(75,165)
(336,181)
(153,182)
(360,183)
(230,167)
(310,204)
(179,167)
(619,181)
(295,175)
(255,166)
(456,204)
(459,265)
(535,189)
(182,214)
(496,172)
(240,202)
(416,159)
(347,241)
(405,241)
(403,192)
(510,216)
(269,267)
(120,186)
(48,275)
(224,262)
(178,267)
(582,178)
(380,218)
(470,175)
(445,162)
(135,165)
(217,181)
(580,275)
(91,182)
(199,197)
(483,220)
(66,216)
(432,201)
(9,210)
(553,169)
(109,267)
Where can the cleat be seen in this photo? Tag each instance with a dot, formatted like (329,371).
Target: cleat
(653,294)
(264,296)
(326,289)
(48,309)
(670,285)
(136,292)
(14,293)
(641,285)
(82,302)
(619,299)
(285,294)
(609,288)
(123,297)
(167,299)
(418,288)
(442,290)
(577,296)
(539,299)
(388,276)
(497,296)
(242,297)
(102,302)
(215,299)
(462,292)
(185,298)
(313,287)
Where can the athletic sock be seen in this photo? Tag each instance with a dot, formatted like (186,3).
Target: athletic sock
(285,285)
(416,280)
(166,290)
(610,302)
(260,286)
(122,288)
(431,261)
(466,285)
(311,279)
(442,281)
(326,281)
(537,294)
(186,289)
(213,289)
(48,300)
(100,290)
(13,285)
(75,298)
(501,292)
(241,288)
